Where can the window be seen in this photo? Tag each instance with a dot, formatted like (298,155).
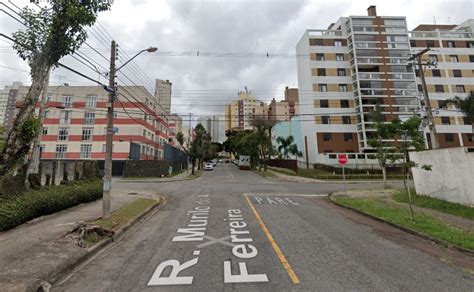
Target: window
(86,150)
(466,121)
(412,43)
(342,87)
(470,45)
(87,133)
(326,120)
(454,58)
(436,73)
(45,114)
(63,134)
(104,146)
(144,133)
(471,58)
(338,43)
(439,88)
(67,101)
(339,57)
(315,42)
(445,121)
(348,137)
(324,103)
(457,73)
(346,120)
(327,137)
(451,44)
(443,104)
(341,72)
(319,57)
(61,150)
(91,101)
(433,59)
(65,117)
(420,88)
(470,137)
(430,44)
(460,89)
(323,88)
(321,72)
(344,103)
(89,118)
(45,131)
(448,137)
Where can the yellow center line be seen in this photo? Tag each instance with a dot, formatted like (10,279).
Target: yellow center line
(275,246)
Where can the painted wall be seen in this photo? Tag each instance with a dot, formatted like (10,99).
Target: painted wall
(452,175)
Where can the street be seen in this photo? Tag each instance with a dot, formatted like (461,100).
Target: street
(235,230)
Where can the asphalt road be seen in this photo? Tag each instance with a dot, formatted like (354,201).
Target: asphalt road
(234,230)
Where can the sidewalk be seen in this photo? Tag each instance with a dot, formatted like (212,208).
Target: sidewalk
(386,195)
(37,249)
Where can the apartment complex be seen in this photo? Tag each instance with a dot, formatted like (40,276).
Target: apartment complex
(211,124)
(241,113)
(8,97)
(452,53)
(359,62)
(74,125)
(163,94)
(286,109)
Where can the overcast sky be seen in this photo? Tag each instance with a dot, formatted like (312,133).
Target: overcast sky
(243,28)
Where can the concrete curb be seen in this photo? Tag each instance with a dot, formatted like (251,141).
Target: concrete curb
(70,267)
(408,230)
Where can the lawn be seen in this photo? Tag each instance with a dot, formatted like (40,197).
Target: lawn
(267,174)
(436,204)
(401,216)
(322,174)
(125,214)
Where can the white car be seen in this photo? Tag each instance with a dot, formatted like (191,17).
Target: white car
(208,166)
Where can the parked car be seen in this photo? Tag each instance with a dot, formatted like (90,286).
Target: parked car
(209,166)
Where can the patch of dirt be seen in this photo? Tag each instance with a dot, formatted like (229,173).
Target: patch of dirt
(82,230)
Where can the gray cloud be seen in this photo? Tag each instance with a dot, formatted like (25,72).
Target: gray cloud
(225,27)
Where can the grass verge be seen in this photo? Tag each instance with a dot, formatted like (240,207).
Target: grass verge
(266,174)
(150,177)
(400,216)
(125,214)
(197,173)
(322,174)
(436,204)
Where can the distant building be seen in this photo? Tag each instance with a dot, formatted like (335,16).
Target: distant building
(8,97)
(292,98)
(241,113)
(163,94)
(211,124)
(175,123)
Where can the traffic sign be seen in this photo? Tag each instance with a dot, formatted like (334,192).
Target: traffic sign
(342,159)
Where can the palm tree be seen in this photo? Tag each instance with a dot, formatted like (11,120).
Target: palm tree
(466,105)
(286,147)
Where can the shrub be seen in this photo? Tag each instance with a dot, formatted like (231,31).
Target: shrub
(12,185)
(48,180)
(35,180)
(30,204)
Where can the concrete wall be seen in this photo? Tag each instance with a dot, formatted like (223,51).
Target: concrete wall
(452,175)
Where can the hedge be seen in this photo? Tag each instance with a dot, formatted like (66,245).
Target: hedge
(30,204)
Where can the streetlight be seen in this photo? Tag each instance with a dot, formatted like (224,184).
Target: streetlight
(110,126)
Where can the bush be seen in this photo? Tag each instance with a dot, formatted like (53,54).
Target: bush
(12,185)
(48,180)
(35,180)
(30,204)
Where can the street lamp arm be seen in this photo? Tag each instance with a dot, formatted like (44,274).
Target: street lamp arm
(150,50)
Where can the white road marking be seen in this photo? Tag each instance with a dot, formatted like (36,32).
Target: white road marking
(196,252)
(213,240)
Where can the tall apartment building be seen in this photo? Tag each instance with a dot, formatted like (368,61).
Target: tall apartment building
(8,97)
(175,123)
(292,98)
(241,113)
(453,53)
(344,71)
(278,111)
(163,94)
(211,124)
(74,125)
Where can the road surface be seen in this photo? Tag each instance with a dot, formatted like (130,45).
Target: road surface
(233,230)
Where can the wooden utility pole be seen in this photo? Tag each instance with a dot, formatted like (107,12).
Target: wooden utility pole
(109,138)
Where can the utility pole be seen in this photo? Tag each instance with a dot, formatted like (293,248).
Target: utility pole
(110,134)
(429,112)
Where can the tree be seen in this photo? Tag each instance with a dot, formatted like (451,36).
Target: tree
(263,128)
(466,105)
(383,132)
(411,139)
(287,147)
(52,32)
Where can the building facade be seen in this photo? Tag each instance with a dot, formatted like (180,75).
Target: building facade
(357,63)
(240,114)
(452,55)
(74,123)
(163,94)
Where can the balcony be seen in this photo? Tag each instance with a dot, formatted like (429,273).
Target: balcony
(369,60)
(371,76)
(365,45)
(445,34)
(324,33)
